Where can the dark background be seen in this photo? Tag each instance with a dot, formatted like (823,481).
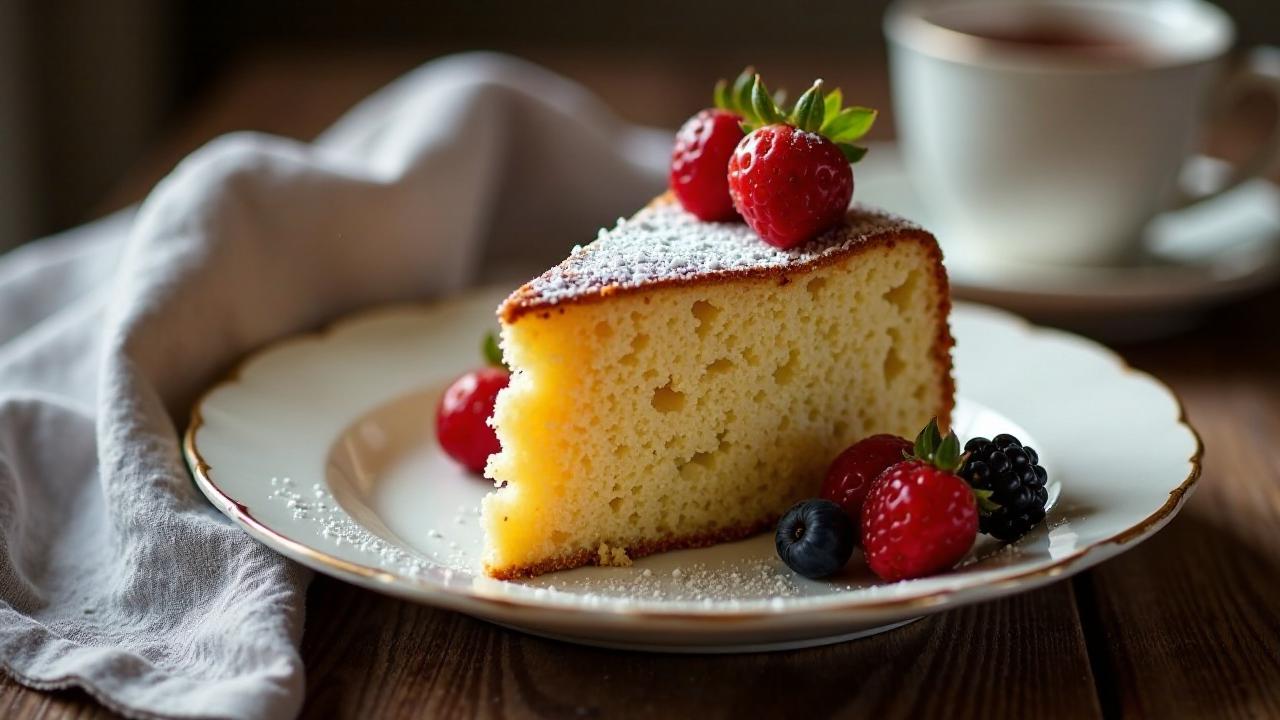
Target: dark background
(86,87)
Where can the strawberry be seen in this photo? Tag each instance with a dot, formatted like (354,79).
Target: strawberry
(920,516)
(699,164)
(699,174)
(790,177)
(462,415)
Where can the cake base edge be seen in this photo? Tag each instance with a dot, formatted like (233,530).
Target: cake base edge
(635,550)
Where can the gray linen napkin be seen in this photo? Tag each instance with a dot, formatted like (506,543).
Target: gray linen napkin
(115,575)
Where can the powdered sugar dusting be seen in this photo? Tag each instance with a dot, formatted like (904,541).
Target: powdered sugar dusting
(663,243)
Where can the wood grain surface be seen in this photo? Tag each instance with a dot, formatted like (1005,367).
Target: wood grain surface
(1186,625)
(1190,621)
(387,658)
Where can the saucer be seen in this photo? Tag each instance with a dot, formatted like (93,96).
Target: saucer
(1196,258)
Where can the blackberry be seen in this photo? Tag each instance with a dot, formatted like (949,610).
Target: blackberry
(1016,481)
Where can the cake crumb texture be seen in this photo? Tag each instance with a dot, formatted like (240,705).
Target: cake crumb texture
(615,556)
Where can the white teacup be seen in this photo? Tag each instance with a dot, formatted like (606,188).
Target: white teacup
(1053,131)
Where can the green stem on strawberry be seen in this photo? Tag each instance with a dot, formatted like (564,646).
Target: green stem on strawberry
(492,352)
(764,109)
(985,503)
(815,111)
(735,97)
(810,109)
(944,454)
(790,176)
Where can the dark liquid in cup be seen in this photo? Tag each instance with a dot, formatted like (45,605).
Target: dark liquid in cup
(1076,36)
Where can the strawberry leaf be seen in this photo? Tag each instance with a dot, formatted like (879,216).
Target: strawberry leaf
(741,92)
(948,455)
(493,353)
(765,110)
(721,95)
(927,440)
(818,111)
(942,453)
(849,124)
(852,153)
(814,111)
(985,503)
(831,105)
(807,114)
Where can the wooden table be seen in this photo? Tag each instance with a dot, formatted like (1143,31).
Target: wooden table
(1188,624)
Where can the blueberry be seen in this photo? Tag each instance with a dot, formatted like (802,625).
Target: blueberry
(815,538)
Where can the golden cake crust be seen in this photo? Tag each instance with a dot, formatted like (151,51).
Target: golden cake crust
(864,228)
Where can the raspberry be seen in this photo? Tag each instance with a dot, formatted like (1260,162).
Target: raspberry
(853,471)
(700,161)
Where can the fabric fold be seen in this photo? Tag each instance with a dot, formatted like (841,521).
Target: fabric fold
(116,576)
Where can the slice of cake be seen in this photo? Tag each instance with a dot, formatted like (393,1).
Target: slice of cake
(679,383)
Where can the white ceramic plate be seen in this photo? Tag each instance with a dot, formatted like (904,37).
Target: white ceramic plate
(1196,258)
(322,448)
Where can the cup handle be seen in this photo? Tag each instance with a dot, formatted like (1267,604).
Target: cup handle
(1260,73)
